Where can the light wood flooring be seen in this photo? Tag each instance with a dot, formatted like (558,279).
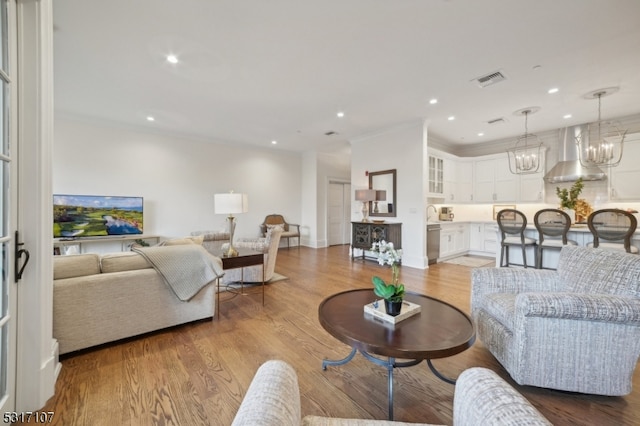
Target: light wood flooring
(197,374)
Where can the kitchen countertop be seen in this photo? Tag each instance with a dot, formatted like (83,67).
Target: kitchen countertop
(579,228)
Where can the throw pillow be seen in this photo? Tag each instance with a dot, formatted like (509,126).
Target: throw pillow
(270,229)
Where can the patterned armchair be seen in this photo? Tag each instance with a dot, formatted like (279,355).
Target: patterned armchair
(574,329)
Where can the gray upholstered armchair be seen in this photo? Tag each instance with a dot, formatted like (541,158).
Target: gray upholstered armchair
(575,329)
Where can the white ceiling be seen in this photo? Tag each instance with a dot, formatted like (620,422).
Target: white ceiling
(253,71)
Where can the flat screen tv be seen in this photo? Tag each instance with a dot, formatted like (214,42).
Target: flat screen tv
(77,216)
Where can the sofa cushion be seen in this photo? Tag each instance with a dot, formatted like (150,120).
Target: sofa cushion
(196,239)
(75,265)
(124,261)
(212,235)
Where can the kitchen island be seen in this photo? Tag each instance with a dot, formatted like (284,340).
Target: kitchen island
(579,233)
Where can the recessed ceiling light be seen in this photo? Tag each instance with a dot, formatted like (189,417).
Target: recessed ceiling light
(480,134)
(567,116)
(553,90)
(173,59)
(150,118)
(451,118)
(340,114)
(274,142)
(433,101)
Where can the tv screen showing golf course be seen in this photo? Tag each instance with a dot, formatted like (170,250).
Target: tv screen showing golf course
(77,216)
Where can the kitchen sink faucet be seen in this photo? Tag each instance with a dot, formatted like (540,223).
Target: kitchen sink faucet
(434,209)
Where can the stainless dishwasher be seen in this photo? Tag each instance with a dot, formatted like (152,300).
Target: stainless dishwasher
(433,242)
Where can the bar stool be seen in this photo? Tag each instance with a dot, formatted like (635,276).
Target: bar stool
(551,223)
(612,225)
(512,224)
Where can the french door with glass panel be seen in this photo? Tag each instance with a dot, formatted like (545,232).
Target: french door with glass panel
(7,210)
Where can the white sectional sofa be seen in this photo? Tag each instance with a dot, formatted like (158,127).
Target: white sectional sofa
(103,298)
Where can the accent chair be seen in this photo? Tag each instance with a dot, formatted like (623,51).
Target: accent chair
(291,230)
(574,329)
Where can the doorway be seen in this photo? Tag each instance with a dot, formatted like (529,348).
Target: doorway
(338,212)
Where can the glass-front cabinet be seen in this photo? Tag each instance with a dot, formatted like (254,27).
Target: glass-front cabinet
(436,176)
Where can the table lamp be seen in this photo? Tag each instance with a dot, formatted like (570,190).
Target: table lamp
(230,203)
(381,195)
(365,195)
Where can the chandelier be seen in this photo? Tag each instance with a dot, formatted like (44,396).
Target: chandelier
(601,143)
(524,157)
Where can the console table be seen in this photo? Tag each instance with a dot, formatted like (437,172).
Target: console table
(364,234)
(76,245)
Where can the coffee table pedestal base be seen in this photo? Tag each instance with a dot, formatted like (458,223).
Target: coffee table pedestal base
(390,363)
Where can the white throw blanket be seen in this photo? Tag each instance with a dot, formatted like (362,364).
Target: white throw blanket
(185,268)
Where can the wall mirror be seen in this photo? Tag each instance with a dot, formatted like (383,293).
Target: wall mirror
(383,181)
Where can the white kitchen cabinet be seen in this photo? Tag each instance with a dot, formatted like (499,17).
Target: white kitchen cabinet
(624,178)
(482,238)
(476,236)
(450,185)
(493,181)
(464,182)
(436,176)
(532,188)
(447,237)
(461,238)
(454,240)
(484,180)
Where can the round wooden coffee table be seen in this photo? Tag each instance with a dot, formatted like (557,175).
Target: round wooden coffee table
(440,330)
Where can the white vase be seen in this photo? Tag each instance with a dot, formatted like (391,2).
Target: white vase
(572,215)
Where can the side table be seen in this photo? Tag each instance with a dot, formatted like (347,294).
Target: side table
(244,258)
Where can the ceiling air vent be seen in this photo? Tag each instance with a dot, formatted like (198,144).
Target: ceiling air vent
(489,79)
(497,121)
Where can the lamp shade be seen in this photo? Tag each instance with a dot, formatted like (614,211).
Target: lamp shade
(381,195)
(365,195)
(230,203)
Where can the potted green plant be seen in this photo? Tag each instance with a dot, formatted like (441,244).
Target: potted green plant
(569,197)
(393,292)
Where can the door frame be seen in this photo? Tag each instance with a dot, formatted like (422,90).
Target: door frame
(347,208)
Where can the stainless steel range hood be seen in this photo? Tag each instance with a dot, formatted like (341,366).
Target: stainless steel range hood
(568,168)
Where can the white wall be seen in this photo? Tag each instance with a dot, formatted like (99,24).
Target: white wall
(402,148)
(309,232)
(176,176)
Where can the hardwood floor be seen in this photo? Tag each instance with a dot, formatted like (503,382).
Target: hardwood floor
(197,374)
